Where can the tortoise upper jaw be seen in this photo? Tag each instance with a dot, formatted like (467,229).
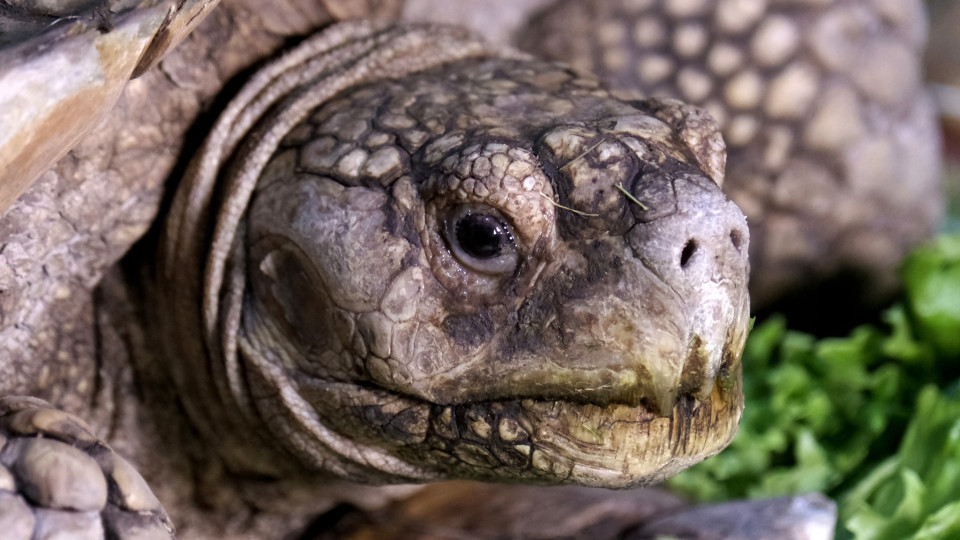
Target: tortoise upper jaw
(626,337)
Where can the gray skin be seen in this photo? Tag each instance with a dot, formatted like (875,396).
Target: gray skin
(341,276)
(404,255)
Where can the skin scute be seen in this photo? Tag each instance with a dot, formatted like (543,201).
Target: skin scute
(57,478)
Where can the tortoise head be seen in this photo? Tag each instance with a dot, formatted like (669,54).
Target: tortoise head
(491,269)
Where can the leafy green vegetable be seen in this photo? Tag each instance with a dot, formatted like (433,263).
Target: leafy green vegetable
(827,415)
(917,491)
(931,275)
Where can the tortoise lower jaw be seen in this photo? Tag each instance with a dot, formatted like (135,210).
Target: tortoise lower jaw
(563,442)
(540,441)
(621,446)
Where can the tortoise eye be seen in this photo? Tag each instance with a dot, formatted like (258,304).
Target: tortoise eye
(481,241)
(483,237)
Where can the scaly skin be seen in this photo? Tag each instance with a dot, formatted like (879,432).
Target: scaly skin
(57,478)
(343,332)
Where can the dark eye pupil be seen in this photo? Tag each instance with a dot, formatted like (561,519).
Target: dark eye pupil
(482,236)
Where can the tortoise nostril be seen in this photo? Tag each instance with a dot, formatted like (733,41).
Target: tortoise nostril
(687,253)
(736,238)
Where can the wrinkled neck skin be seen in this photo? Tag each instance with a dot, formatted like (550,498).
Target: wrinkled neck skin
(404,256)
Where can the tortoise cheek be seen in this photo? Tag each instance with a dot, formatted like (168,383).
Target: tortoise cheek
(293,295)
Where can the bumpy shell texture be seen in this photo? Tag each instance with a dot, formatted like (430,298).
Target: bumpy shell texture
(834,149)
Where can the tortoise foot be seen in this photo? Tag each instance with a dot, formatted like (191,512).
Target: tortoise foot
(57,480)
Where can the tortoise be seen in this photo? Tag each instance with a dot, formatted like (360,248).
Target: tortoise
(519,275)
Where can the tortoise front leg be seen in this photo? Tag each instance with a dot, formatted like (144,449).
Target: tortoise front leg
(57,478)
